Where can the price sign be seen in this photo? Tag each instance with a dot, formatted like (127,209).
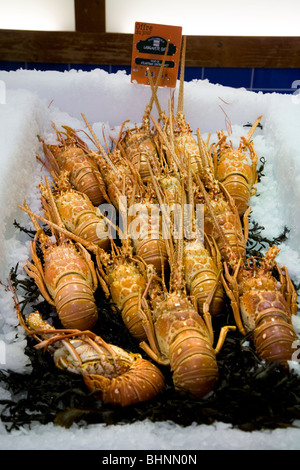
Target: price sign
(149,46)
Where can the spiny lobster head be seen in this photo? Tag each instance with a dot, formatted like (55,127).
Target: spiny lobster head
(259,275)
(134,136)
(46,242)
(183,126)
(249,280)
(65,154)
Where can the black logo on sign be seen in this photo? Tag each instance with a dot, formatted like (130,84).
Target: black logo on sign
(155,45)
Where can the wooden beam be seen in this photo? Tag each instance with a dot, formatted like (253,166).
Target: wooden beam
(90,16)
(65,47)
(244,51)
(116,49)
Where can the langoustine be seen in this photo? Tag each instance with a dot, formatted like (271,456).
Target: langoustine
(66,279)
(114,375)
(73,155)
(263,305)
(236,167)
(75,211)
(220,210)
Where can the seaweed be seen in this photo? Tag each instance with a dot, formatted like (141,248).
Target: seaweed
(250,395)
(249,124)
(257,243)
(260,169)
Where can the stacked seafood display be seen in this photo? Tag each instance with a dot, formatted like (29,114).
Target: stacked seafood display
(160,224)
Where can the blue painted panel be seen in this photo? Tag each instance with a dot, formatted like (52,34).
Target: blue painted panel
(89,67)
(7,65)
(234,77)
(46,66)
(115,68)
(275,78)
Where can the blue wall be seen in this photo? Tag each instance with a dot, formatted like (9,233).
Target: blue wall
(255,79)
